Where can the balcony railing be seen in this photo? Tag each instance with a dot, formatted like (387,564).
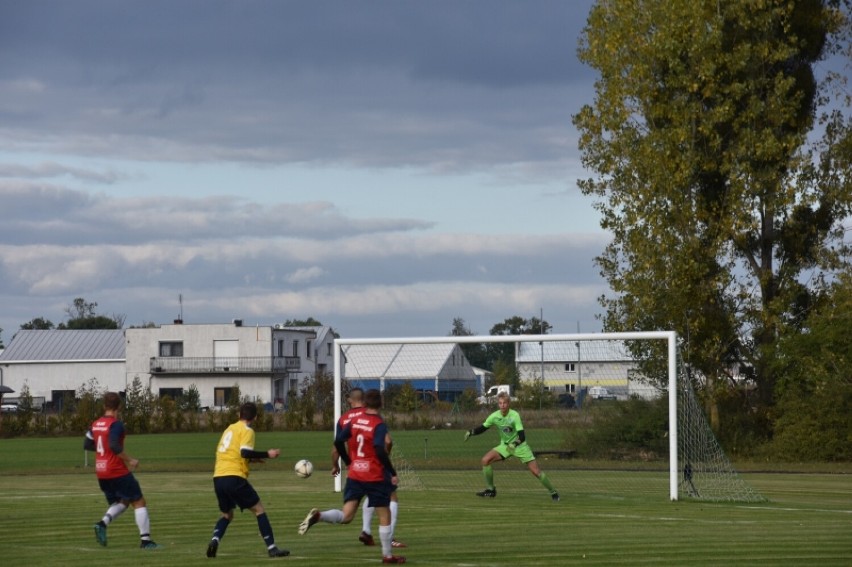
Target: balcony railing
(222,365)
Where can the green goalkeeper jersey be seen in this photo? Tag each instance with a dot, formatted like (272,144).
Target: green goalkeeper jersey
(508,425)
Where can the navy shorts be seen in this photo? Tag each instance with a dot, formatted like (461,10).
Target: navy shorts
(234,491)
(124,488)
(378,492)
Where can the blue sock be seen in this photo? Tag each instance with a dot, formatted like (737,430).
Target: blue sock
(266,530)
(221,526)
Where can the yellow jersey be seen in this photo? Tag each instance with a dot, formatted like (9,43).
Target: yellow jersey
(229,462)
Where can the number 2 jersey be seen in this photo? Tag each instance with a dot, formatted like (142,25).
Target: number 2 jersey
(364,438)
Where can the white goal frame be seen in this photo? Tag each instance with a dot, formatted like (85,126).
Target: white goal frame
(669,336)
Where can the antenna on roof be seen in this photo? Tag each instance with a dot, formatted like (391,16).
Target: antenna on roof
(179,320)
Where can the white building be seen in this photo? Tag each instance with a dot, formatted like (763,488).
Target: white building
(440,369)
(265,362)
(569,367)
(54,364)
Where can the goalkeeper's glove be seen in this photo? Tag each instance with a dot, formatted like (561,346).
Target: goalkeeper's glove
(467,434)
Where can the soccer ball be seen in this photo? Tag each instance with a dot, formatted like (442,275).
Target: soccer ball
(304,468)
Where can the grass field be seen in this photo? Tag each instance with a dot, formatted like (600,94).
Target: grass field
(49,501)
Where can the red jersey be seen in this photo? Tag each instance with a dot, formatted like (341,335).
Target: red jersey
(107,463)
(347,417)
(363,434)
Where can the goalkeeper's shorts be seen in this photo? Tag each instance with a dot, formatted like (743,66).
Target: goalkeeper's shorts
(523,452)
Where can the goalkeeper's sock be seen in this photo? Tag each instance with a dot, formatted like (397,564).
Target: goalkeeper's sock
(488,473)
(546,483)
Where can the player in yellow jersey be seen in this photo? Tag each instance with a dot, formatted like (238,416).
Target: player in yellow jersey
(230,480)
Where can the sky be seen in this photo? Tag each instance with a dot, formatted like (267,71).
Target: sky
(381,166)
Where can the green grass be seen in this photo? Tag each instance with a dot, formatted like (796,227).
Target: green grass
(49,501)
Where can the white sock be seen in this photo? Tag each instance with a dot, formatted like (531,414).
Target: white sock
(394,510)
(113,512)
(142,521)
(386,536)
(367,516)
(332,516)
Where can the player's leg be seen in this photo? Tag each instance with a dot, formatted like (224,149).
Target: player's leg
(488,472)
(222,486)
(366,536)
(129,489)
(542,478)
(394,515)
(115,509)
(265,528)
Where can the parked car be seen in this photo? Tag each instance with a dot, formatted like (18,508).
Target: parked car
(600,393)
(9,407)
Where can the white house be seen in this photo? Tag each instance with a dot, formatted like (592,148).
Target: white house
(266,362)
(569,367)
(54,364)
(441,369)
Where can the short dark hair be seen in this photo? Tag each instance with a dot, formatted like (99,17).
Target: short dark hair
(373,399)
(112,401)
(248,411)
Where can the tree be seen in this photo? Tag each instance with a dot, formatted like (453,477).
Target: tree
(39,323)
(815,393)
(721,208)
(476,353)
(81,315)
(515,325)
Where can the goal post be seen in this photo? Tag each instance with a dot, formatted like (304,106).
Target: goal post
(574,388)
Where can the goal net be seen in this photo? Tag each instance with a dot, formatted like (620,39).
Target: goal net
(609,414)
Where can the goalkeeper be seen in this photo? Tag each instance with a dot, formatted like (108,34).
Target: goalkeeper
(512,443)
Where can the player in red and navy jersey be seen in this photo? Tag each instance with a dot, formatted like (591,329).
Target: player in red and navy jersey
(361,445)
(356,408)
(113,467)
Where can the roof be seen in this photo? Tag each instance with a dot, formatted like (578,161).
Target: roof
(66,344)
(562,351)
(396,360)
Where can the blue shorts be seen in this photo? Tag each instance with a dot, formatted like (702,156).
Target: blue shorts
(378,492)
(233,491)
(122,489)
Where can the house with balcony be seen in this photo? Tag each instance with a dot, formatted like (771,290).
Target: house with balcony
(266,362)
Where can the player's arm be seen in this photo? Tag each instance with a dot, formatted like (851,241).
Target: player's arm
(340,444)
(478,430)
(381,452)
(251,454)
(116,434)
(519,439)
(89,441)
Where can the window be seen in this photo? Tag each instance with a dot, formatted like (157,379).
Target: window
(173,393)
(281,347)
(570,367)
(221,396)
(295,348)
(173,348)
(329,345)
(570,388)
(308,346)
